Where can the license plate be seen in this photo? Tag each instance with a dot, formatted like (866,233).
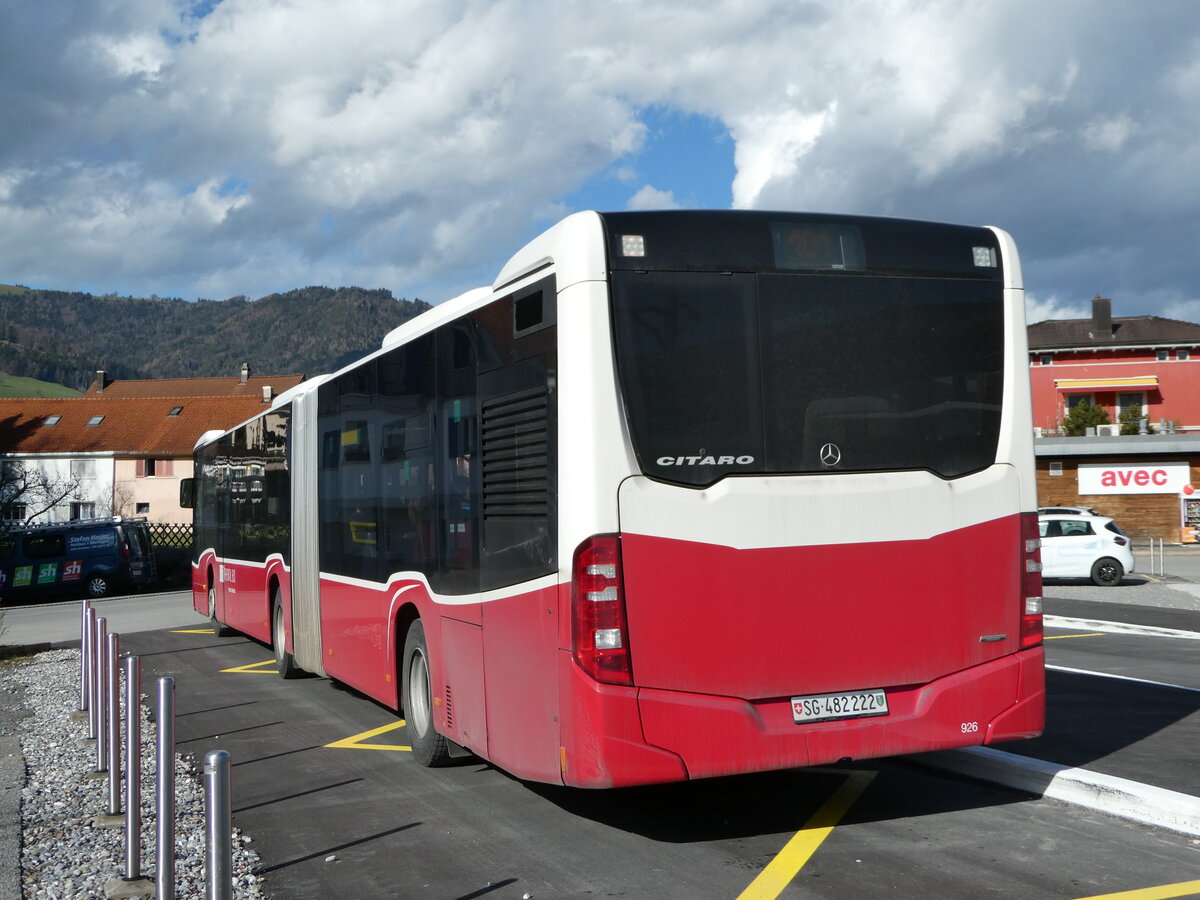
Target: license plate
(847,705)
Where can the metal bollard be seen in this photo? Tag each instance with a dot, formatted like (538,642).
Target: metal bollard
(91,673)
(83,655)
(133,767)
(101,676)
(113,676)
(164,879)
(219,821)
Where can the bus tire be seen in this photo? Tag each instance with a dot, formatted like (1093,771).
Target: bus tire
(428,747)
(1107,572)
(285,663)
(219,627)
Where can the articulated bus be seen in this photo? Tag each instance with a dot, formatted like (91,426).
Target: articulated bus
(682,494)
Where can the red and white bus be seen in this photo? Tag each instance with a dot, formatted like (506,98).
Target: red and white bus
(683,494)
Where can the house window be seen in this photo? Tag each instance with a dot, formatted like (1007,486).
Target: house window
(83,469)
(14,512)
(1163,355)
(1125,401)
(83,511)
(94,421)
(51,420)
(155,468)
(1055,468)
(1047,359)
(1073,400)
(175,410)
(143,509)
(1181,354)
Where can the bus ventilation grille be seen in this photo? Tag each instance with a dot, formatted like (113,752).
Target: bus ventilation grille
(515,433)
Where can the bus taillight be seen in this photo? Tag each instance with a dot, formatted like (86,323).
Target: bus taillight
(1031,581)
(599,633)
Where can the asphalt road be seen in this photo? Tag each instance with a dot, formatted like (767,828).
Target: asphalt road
(337,808)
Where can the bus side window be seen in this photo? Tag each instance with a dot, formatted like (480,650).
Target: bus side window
(458,470)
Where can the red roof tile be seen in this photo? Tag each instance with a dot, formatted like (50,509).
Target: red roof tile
(131,426)
(1127,331)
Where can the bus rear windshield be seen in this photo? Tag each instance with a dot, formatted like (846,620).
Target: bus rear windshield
(790,373)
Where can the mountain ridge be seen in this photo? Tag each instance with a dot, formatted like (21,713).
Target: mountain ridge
(65,337)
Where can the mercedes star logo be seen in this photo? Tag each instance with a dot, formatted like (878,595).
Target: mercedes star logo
(831,455)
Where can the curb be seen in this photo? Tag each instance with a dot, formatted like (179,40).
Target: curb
(1119,797)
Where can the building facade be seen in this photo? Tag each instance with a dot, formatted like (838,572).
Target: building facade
(121,448)
(1118,363)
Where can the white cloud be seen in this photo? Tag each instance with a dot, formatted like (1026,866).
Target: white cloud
(266,145)
(649,197)
(1109,134)
(1039,310)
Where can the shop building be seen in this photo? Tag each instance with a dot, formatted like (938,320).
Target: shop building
(1148,483)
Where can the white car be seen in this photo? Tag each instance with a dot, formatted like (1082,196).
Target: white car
(1082,546)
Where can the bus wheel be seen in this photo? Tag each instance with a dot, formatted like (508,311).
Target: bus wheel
(97,586)
(429,748)
(1107,572)
(285,663)
(220,628)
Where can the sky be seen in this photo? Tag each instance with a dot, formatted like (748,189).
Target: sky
(244,147)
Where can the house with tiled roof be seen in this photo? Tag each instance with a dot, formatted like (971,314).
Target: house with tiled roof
(1116,362)
(122,447)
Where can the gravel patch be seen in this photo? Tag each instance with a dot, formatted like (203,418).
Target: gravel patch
(64,852)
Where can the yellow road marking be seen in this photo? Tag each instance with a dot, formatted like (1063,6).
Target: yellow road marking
(193,631)
(1055,637)
(780,871)
(356,742)
(1162,892)
(254,668)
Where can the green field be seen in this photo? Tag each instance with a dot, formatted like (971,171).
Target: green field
(12,386)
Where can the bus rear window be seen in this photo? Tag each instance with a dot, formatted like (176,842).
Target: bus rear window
(774,373)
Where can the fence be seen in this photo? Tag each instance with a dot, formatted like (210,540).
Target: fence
(171,534)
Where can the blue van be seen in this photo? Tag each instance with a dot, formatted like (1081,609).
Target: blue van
(90,556)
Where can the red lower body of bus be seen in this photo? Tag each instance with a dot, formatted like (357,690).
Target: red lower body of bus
(507,686)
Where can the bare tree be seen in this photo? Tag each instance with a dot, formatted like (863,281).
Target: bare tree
(120,503)
(33,488)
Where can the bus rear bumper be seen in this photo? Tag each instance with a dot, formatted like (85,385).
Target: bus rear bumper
(996,701)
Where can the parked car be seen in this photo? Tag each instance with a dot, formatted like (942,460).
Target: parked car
(91,556)
(1068,510)
(1075,545)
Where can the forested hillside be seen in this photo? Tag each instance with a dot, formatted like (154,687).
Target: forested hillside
(65,337)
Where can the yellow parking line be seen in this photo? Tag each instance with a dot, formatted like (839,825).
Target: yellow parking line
(254,668)
(780,871)
(1055,637)
(193,631)
(1162,892)
(356,742)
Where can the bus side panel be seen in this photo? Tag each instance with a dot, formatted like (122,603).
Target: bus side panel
(461,711)
(354,632)
(246,599)
(208,560)
(520,650)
